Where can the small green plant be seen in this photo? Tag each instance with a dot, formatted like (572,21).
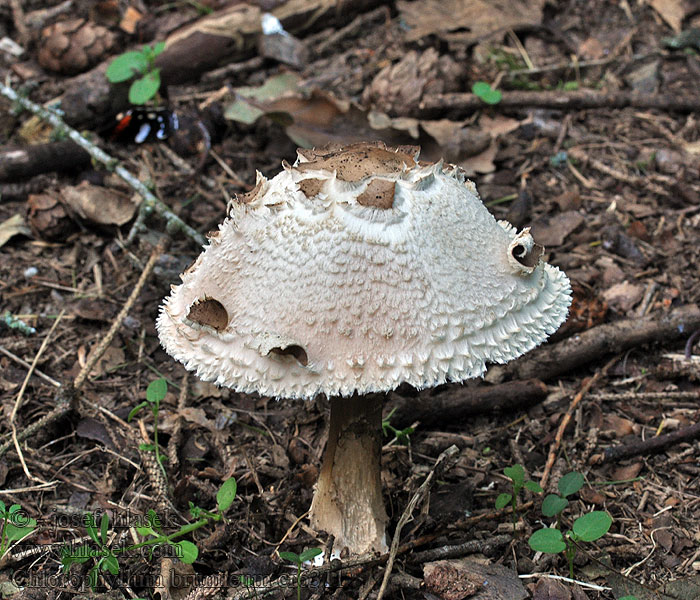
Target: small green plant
(139,64)
(155,392)
(516,474)
(105,557)
(15,524)
(299,560)
(587,528)
(487,94)
(400,435)
(249,584)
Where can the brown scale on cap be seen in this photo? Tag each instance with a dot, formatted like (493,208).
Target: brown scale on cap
(311,187)
(358,161)
(210,313)
(379,193)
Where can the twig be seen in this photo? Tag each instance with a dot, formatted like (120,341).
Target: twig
(20,395)
(581,99)
(26,365)
(619,175)
(20,22)
(150,202)
(583,64)
(63,406)
(107,339)
(588,382)
(420,494)
(459,550)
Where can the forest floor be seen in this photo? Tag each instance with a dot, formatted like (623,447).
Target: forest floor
(594,143)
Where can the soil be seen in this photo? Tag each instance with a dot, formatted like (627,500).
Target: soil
(613,194)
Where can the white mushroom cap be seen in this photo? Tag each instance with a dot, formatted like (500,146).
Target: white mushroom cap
(356,270)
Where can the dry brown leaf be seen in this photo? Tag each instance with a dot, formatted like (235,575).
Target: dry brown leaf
(99,204)
(13,226)
(626,472)
(499,125)
(619,425)
(671,11)
(479,17)
(554,231)
(550,589)
(461,578)
(623,296)
(481,163)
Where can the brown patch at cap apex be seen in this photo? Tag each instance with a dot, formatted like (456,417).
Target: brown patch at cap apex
(379,193)
(210,313)
(357,161)
(311,187)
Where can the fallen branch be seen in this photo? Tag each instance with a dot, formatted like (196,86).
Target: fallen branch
(554,360)
(457,402)
(460,550)
(22,163)
(432,106)
(149,204)
(651,445)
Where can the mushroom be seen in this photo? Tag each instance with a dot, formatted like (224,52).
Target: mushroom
(351,272)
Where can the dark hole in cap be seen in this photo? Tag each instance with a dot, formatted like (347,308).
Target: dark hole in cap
(209,312)
(525,258)
(293,350)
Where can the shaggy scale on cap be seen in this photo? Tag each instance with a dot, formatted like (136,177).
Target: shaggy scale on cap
(355,270)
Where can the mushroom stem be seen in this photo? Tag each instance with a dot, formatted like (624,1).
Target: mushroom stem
(348,498)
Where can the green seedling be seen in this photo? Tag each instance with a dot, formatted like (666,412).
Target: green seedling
(249,584)
(587,528)
(516,474)
(139,64)
(105,557)
(155,392)
(400,435)
(15,526)
(299,560)
(487,94)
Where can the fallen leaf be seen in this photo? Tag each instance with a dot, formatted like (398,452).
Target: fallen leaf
(619,425)
(481,163)
(671,11)
(623,295)
(98,204)
(251,102)
(399,87)
(462,578)
(591,48)
(13,226)
(554,231)
(479,17)
(550,589)
(664,538)
(499,125)
(626,472)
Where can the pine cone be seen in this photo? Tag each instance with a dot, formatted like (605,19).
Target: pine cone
(73,46)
